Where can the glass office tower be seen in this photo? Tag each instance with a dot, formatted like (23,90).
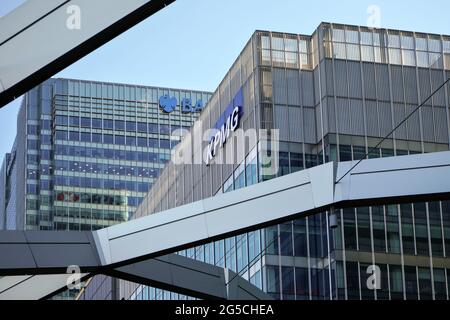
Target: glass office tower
(332,96)
(87,152)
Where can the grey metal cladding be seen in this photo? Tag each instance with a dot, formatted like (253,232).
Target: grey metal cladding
(64,255)
(437,78)
(341,80)
(343,120)
(385,117)
(309,125)
(400,115)
(397,84)
(16,256)
(354,79)
(331,113)
(307,88)
(382,81)
(279,86)
(282,121)
(424,84)
(328,69)
(440,119)
(427,123)
(413,123)
(295,124)
(316,78)
(293,87)
(370,91)
(410,82)
(357,117)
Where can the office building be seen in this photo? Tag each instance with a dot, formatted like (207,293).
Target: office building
(87,152)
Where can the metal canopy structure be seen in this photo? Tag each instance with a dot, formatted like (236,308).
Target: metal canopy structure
(374,182)
(41,38)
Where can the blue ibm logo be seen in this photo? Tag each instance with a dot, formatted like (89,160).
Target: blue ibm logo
(169,104)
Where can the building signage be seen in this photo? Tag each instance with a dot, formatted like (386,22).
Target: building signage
(168,104)
(227,123)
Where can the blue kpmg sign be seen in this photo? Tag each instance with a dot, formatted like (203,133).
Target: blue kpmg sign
(169,104)
(228,122)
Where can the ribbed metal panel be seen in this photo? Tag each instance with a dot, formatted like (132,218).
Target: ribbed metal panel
(437,79)
(329,78)
(309,123)
(399,115)
(341,78)
(316,78)
(397,84)
(343,116)
(357,117)
(410,81)
(279,86)
(424,83)
(369,81)
(331,114)
(385,118)
(295,124)
(413,123)
(307,88)
(293,85)
(318,123)
(427,122)
(382,81)
(325,116)
(354,79)
(282,121)
(323,79)
(441,125)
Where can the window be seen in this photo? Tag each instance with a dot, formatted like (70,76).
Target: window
(395,56)
(339,51)
(61,135)
(85,122)
(422,59)
(352,36)
(97,123)
(97,138)
(407,42)
(394,41)
(74,121)
(353,52)
(108,138)
(108,124)
(119,140)
(142,127)
(425,284)
(61,120)
(338,35)
(85,137)
(131,126)
(74,136)
(142,142)
(367,54)
(409,58)
(119,125)
(131,141)
(366,37)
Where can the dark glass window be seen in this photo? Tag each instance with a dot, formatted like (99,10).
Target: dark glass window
(46,124)
(97,138)
(74,136)
(96,123)
(61,120)
(446,223)
(85,122)
(300,238)
(45,139)
(164,129)
(153,143)
(440,290)
(85,137)
(32,129)
(286,239)
(345,153)
(61,135)
(288,283)
(108,138)
(119,140)
(32,144)
(142,127)
(379,240)
(425,288)
(46,155)
(296,161)
(396,282)
(407,229)
(108,124)
(153,128)
(366,293)
(435,229)
(411,283)
(364,240)
(284,163)
(142,142)
(349,228)
(131,126)
(74,121)
(352,280)
(163,143)
(420,216)
(302,283)
(273,281)
(393,237)
(119,125)
(131,141)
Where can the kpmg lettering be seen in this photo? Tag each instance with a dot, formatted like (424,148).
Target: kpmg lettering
(227,123)
(168,104)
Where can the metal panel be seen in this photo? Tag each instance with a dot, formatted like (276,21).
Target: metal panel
(357,117)
(399,115)
(385,118)
(282,121)
(397,84)
(293,87)
(440,120)
(279,86)
(410,81)
(340,78)
(369,80)
(354,79)
(382,81)
(427,122)
(295,124)
(309,125)
(413,123)
(343,113)
(307,88)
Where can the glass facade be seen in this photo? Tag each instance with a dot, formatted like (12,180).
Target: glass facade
(88,152)
(331,96)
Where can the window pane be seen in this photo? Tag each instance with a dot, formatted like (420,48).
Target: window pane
(422,59)
(421,44)
(291,45)
(277,43)
(394,41)
(367,54)
(366,37)
(338,35)
(339,51)
(353,52)
(395,56)
(407,42)
(352,36)
(409,58)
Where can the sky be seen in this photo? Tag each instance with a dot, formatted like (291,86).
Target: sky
(191,44)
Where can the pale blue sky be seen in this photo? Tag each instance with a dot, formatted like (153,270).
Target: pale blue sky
(192,43)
